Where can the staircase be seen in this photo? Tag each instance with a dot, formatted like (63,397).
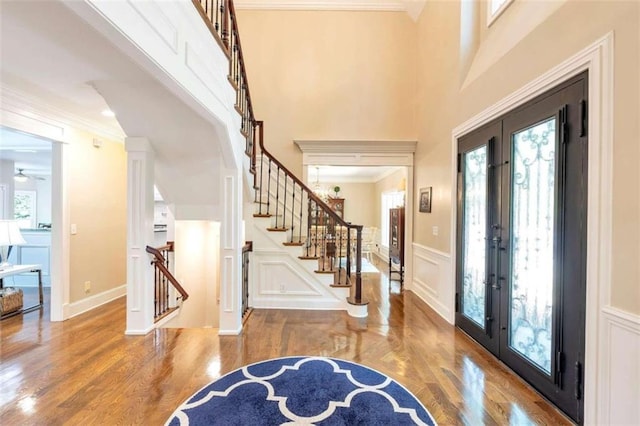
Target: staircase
(304,255)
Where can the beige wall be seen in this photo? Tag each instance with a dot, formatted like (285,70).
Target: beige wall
(330,76)
(562,30)
(359,202)
(97,194)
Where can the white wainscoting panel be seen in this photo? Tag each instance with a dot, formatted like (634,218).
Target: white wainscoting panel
(620,375)
(432,280)
(281,283)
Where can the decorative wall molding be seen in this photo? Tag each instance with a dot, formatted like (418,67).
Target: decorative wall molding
(386,6)
(620,384)
(153,15)
(411,7)
(92,302)
(362,147)
(431,279)
(281,284)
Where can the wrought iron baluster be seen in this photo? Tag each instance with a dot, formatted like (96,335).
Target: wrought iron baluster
(269,188)
(293,208)
(277,194)
(300,231)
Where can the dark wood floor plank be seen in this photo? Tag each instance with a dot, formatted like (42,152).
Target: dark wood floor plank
(86,371)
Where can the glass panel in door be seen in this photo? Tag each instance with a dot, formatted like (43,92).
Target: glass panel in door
(474,224)
(532,234)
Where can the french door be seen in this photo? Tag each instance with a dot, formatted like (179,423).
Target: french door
(521,240)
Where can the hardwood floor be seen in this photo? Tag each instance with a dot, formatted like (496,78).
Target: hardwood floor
(85,371)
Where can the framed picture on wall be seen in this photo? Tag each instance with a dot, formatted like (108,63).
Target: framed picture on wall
(425,200)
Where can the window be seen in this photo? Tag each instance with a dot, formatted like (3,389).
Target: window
(389,201)
(495,9)
(25,208)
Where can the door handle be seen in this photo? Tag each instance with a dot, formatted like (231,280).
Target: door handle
(496,263)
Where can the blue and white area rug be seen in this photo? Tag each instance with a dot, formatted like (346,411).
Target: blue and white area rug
(302,391)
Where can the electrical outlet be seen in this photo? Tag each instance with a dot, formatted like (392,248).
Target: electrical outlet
(87,286)
(435,230)
(282,288)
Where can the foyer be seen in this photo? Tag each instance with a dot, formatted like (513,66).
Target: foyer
(85,371)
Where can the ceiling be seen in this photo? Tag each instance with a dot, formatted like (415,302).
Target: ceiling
(48,54)
(55,62)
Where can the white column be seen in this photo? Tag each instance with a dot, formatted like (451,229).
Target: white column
(140,178)
(7,170)
(60,232)
(231,253)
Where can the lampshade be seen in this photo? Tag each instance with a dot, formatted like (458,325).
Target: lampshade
(10,233)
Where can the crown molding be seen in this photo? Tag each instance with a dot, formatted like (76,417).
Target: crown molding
(412,7)
(21,103)
(363,5)
(398,147)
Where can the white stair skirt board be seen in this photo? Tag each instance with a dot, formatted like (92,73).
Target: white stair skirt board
(280,280)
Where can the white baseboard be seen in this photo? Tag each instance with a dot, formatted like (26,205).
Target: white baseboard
(432,281)
(140,332)
(81,306)
(619,390)
(235,332)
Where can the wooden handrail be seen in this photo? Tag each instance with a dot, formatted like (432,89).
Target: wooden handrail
(157,251)
(210,25)
(293,177)
(243,71)
(159,261)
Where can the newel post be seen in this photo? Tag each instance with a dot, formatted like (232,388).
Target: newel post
(357,304)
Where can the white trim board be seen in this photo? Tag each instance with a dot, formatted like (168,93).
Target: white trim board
(621,379)
(431,279)
(386,6)
(598,60)
(92,302)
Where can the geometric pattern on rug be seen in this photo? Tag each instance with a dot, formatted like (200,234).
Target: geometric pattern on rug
(302,391)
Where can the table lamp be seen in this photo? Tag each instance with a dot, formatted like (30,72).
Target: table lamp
(9,236)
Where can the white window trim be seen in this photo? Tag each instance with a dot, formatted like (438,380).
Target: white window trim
(491,17)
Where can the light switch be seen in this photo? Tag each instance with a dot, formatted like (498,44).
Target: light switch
(434,230)
(74,229)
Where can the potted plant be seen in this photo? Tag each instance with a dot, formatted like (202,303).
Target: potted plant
(336,189)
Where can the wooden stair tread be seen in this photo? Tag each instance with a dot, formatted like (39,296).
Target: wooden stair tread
(293,243)
(342,275)
(309,257)
(233,83)
(277,229)
(261,215)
